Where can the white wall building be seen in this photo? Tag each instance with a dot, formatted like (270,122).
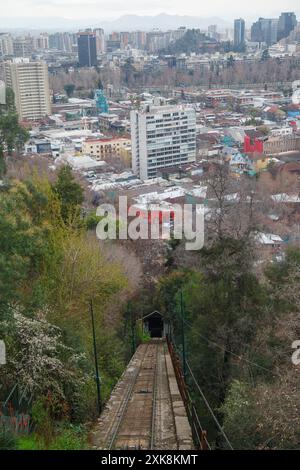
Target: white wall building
(282,131)
(2,92)
(100,40)
(162,136)
(6,45)
(30,83)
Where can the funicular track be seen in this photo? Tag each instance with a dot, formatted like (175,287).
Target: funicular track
(134,426)
(145,410)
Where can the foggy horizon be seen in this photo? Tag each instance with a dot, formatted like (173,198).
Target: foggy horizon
(113,9)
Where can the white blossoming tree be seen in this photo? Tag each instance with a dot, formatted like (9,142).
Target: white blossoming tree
(40,362)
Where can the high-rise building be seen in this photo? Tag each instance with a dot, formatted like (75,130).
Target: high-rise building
(87,49)
(56,42)
(264,30)
(139,39)
(30,83)
(124,39)
(239,32)
(42,41)
(100,40)
(162,136)
(62,41)
(23,46)
(114,36)
(287,22)
(6,45)
(212,31)
(113,45)
(177,34)
(157,40)
(2,93)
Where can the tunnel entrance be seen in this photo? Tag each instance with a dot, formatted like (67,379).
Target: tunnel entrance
(156,327)
(153,324)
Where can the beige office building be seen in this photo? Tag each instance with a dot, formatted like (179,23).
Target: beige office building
(30,83)
(105,147)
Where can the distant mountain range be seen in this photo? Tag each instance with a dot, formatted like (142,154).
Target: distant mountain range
(163,21)
(124,23)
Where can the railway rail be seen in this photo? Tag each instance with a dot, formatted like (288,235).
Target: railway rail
(134,428)
(145,410)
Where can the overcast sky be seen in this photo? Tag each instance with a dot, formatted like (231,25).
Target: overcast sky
(79,9)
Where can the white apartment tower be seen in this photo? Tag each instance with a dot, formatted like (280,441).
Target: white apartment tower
(6,45)
(100,40)
(30,83)
(162,136)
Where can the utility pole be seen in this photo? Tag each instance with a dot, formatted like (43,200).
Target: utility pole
(183,335)
(96,360)
(133,343)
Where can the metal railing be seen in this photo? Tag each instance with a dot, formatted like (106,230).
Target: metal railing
(199,434)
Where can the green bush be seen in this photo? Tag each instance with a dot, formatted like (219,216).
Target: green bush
(7,440)
(66,438)
(42,420)
(239,418)
(142,336)
(73,438)
(30,442)
(91,221)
